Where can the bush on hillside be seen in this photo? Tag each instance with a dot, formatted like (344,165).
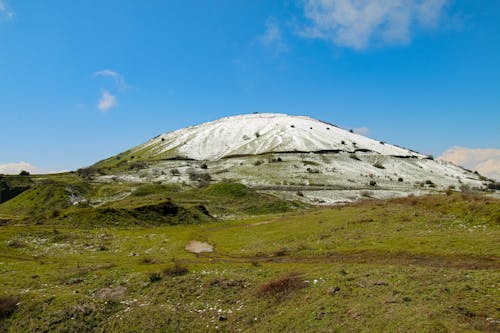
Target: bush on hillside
(177,270)
(8,305)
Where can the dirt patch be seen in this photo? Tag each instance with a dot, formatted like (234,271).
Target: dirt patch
(195,246)
(112,294)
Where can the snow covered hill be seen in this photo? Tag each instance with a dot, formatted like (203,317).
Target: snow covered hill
(255,134)
(297,158)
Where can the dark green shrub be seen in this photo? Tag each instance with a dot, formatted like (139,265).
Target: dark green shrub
(155,277)
(8,305)
(177,270)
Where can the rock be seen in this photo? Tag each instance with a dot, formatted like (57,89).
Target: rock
(333,290)
(195,246)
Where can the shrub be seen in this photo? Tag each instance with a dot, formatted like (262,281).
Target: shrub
(282,285)
(281,252)
(274,160)
(24,173)
(175,172)
(204,166)
(342,142)
(15,243)
(137,166)
(378,165)
(373,183)
(85,172)
(257,134)
(148,260)
(494,186)
(201,177)
(155,277)
(400,179)
(177,270)
(430,183)
(310,170)
(258,162)
(8,305)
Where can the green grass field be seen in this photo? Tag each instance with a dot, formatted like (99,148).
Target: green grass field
(420,264)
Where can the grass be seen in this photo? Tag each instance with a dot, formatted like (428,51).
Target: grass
(419,264)
(70,200)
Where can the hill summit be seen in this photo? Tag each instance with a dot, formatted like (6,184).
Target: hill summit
(261,133)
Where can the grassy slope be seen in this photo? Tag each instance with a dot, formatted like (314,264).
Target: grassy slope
(121,204)
(428,264)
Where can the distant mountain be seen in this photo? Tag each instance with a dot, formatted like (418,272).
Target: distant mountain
(294,157)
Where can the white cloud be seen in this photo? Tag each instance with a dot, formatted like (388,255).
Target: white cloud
(5,10)
(117,78)
(107,101)
(359,23)
(15,168)
(484,161)
(362,130)
(273,38)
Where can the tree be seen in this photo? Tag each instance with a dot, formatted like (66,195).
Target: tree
(24,173)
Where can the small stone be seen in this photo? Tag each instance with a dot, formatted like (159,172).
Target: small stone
(333,290)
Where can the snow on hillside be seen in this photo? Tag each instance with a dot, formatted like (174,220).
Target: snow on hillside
(305,159)
(254,134)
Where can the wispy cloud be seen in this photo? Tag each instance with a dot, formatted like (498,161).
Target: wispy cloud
(273,37)
(5,10)
(16,168)
(484,161)
(107,101)
(361,130)
(358,24)
(118,79)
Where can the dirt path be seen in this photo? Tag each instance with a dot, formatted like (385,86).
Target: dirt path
(370,257)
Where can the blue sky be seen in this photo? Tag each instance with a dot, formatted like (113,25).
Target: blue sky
(83,80)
